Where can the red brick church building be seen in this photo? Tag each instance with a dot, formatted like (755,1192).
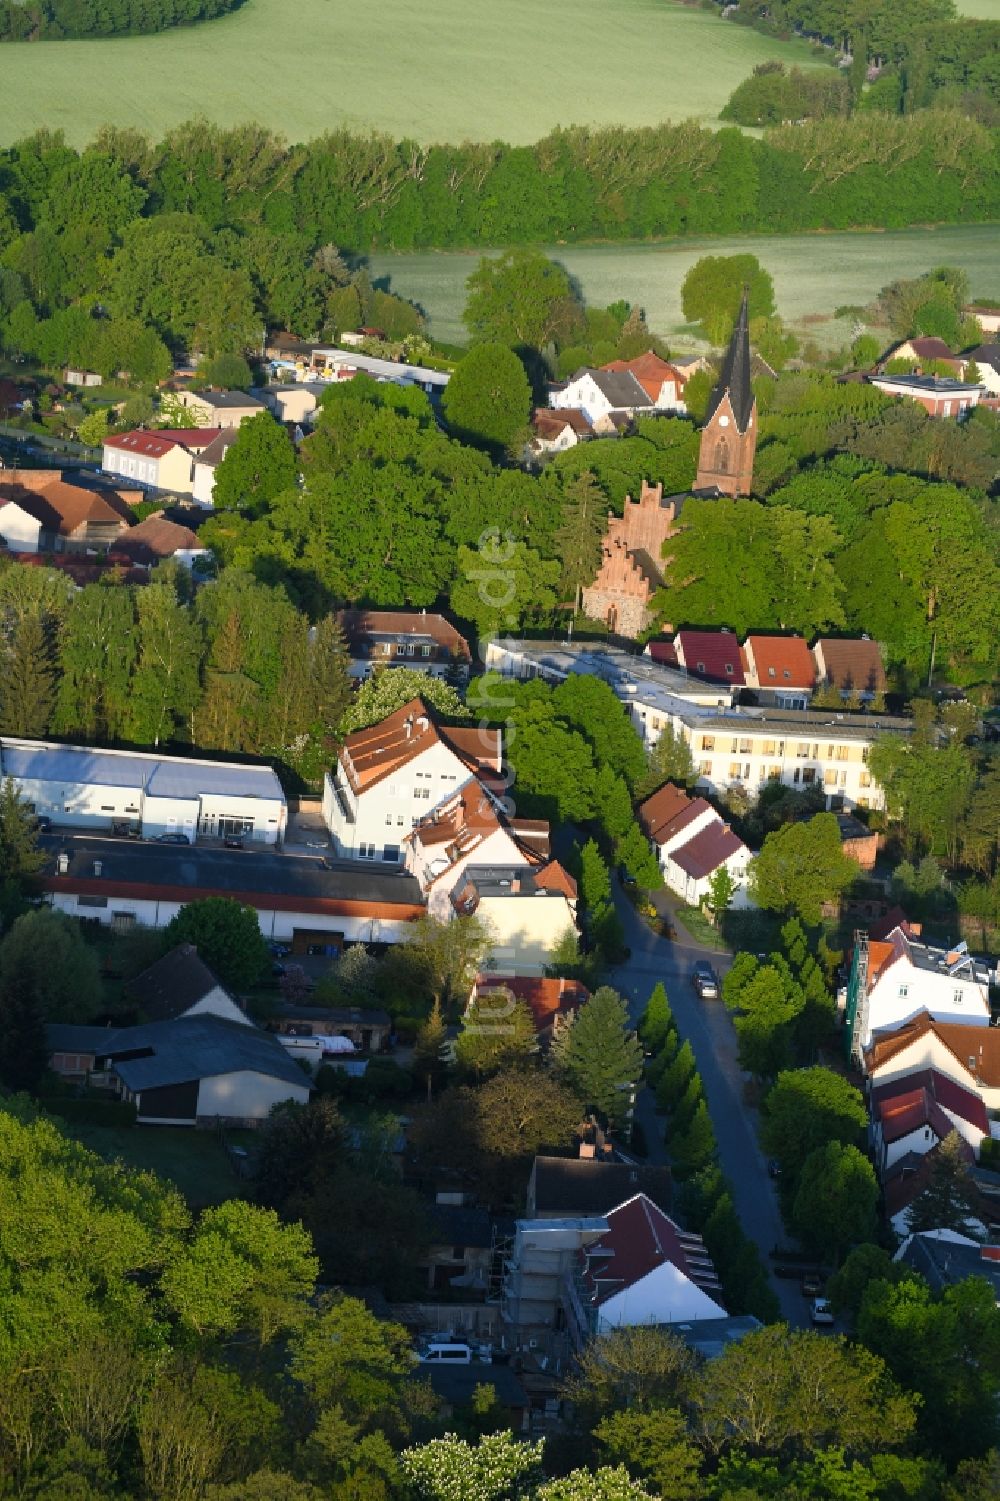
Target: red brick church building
(631,568)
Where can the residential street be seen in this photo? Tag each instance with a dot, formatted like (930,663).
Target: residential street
(707,1026)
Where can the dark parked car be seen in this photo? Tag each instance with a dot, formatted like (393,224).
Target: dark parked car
(705,982)
(625,876)
(44,822)
(233,841)
(172,839)
(773,1167)
(812,1285)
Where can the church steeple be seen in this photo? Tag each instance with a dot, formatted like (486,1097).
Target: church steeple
(729,435)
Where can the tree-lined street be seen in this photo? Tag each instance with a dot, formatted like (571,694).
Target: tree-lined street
(708,1028)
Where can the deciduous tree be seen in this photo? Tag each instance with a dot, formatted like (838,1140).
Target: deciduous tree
(801,866)
(487,399)
(226,935)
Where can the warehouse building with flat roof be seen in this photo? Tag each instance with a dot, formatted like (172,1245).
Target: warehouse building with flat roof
(145,794)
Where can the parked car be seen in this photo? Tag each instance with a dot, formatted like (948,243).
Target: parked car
(172,839)
(773,1167)
(280,950)
(812,1285)
(705,981)
(625,876)
(821,1312)
(43,822)
(233,842)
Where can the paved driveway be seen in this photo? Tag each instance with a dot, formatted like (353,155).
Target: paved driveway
(708,1028)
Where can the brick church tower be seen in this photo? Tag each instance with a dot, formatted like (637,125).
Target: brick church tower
(729,435)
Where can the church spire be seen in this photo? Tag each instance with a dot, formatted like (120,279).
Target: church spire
(734,377)
(729,434)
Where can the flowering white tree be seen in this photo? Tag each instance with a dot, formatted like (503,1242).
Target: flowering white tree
(605,1484)
(498,1468)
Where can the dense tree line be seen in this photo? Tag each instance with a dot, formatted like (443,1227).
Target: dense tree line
(130,223)
(235,669)
(157,1355)
(898,63)
(38,20)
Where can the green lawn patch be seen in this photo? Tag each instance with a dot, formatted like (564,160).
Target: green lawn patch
(699,926)
(442,71)
(195,1160)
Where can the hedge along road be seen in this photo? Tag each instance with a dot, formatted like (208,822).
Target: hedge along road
(444,70)
(813,274)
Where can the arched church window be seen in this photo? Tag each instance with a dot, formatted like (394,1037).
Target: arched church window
(722,456)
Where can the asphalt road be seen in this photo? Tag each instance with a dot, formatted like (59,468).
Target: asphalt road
(708,1028)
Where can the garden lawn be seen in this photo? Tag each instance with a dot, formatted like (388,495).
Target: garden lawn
(195,1160)
(445,70)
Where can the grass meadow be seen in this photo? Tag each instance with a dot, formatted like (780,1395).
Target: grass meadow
(813,274)
(983,10)
(443,70)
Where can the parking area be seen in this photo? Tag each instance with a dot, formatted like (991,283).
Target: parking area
(306,831)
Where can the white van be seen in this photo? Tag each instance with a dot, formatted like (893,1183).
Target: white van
(445,1352)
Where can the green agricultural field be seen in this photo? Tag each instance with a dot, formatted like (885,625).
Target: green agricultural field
(813,274)
(443,70)
(985,10)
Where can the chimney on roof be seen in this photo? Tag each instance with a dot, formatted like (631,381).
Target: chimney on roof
(422,724)
(408,726)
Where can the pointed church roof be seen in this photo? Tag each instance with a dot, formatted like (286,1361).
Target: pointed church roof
(735,376)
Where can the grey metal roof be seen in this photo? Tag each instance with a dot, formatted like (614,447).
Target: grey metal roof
(456,1384)
(208,870)
(709,1337)
(943,1261)
(226,399)
(193,1047)
(161,776)
(619,387)
(582,1186)
(173,984)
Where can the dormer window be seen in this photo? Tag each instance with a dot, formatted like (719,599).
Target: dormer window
(904,991)
(771,672)
(729,669)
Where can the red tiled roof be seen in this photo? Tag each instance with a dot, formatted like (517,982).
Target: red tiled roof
(668,811)
(650,371)
(156,537)
(549,422)
(554,877)
(63,508)
(640,1238)
(713,655)
(894,918)
(981,1045)
(663,652)
(908,1112)
(928,347)
(937,1092)
(154,443)
(852,665)
(358,625)
(781,661)
(709,849)
(372,754)
(546,998)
